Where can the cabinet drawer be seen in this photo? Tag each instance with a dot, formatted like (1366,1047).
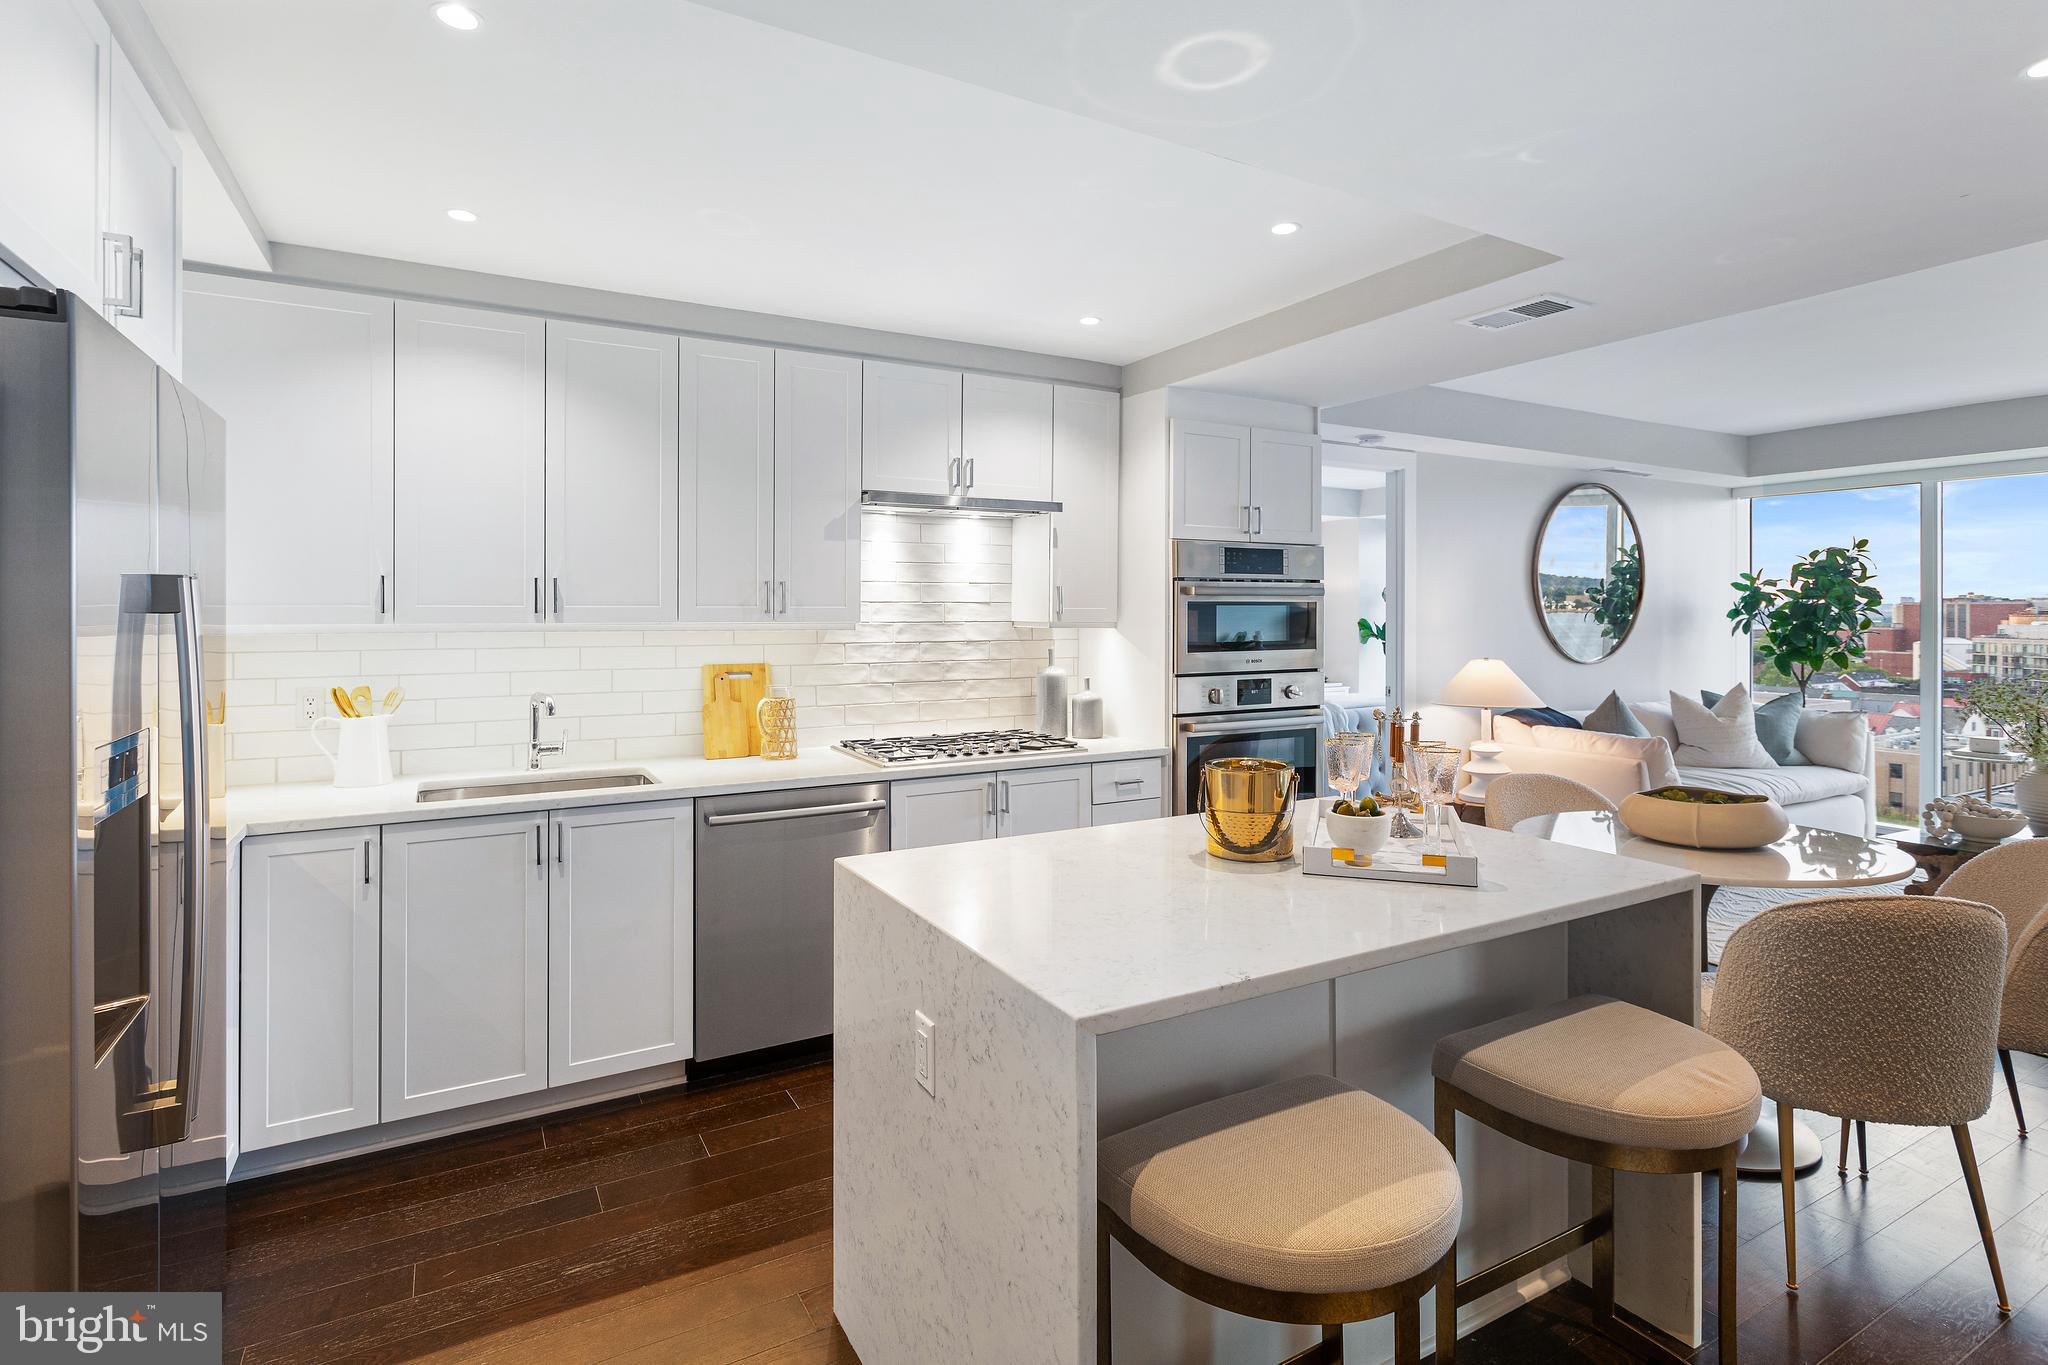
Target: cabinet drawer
(1123,812)
(1127,780)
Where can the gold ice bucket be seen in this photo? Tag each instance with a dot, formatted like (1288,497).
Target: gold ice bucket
(1247,806)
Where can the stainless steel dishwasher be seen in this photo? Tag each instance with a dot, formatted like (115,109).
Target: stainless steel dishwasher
(764,909)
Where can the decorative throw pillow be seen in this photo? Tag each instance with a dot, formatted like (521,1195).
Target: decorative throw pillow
(1612,717)
(1649,750)
(1724,737)
(1539,715)
(1777,726)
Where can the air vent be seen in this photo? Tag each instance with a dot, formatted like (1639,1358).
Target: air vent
(1529,310)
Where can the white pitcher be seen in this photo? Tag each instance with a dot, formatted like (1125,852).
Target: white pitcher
(364,755)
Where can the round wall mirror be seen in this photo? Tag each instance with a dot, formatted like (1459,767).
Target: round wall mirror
(1588,573)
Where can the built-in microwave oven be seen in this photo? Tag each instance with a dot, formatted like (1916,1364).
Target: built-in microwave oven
(1246,608)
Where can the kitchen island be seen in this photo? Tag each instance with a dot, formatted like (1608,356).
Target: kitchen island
(1079,983)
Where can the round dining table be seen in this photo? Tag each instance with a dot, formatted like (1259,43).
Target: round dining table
(1802,859)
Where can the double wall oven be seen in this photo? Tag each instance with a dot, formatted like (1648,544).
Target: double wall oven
(1248,655)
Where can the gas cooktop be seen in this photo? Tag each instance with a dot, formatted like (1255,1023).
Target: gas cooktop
(890,753)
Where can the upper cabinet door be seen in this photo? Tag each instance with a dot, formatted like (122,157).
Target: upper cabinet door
(1006,438)
(471,464)
(611,457)
(1286,487)
(817,480)
(910,422)
(728,481)
(53,103)
(302,378)
(145,202)
(1086,431)
(1211,480)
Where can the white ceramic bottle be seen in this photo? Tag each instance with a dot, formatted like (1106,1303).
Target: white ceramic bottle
(1049,691)
(1087,711)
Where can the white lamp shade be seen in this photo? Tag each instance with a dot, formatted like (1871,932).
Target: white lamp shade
(1488,683)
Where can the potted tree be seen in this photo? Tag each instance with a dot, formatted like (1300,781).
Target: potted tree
(2021,711)
(1815,617)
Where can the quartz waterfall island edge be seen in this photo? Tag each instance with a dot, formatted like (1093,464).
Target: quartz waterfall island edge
(1086,981)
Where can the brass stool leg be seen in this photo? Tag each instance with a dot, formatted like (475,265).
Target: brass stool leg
(1785,1161)
(1725,1288)
(1101,1289)
(1863,1149)
(1447,1278)
(1968,1154)
(1603,1245)
(1842,1163)
(1408,1333)
(2012,1088)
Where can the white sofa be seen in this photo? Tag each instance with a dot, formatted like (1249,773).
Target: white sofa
(1835,789)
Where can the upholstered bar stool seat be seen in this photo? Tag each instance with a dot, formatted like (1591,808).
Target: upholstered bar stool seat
(1608,1072)
(1305,1201)
(1617,1088)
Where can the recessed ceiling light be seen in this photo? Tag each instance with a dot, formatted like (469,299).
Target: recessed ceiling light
(1286,229)
(457,16)
(462,215)
(1091,322)
(2039,70)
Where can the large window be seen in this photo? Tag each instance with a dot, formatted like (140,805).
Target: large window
(1994,584)
(1886,691)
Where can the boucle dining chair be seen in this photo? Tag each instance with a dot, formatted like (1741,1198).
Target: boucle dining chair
(1875,1008)
(1514,797)
(2013,880)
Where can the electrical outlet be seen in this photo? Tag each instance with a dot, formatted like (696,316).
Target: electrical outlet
(310,701)
(926,1045)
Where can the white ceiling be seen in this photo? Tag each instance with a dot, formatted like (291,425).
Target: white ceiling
(1685,161)
(665,149)
(1970,332)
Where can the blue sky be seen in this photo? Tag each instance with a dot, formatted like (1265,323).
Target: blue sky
(1994,534)
(1575,542)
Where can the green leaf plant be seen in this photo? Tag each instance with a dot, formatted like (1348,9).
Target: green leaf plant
(1815,618)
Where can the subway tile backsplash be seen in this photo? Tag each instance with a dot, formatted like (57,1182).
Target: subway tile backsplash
(935,650)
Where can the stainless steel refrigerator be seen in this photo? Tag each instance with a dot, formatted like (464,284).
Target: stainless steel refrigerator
(113,1124)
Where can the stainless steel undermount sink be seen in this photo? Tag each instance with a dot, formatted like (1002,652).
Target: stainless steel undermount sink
(532,784)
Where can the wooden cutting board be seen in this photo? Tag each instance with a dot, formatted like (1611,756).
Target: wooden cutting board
(732,697)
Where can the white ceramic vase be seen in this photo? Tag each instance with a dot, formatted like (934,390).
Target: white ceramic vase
(2031,794)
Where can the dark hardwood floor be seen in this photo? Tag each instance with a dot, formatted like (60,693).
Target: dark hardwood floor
(693,1225)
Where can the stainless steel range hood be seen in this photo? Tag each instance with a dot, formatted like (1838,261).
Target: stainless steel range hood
(884,500)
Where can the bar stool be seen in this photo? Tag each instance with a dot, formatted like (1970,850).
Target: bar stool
(1614,1086)
(1305,1201)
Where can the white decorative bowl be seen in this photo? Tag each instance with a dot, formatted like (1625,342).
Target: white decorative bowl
(1988,829)
(1359,833)
(1750,822)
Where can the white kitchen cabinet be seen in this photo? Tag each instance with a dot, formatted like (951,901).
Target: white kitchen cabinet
(1041,800)
(1064,566)
(53,158)
(465,962)
(1286,487)
(302,378)
(611,474)
(1006,438)
(910,427)
(925,811)
(470,465)
(728,481)
(620,940)
(1210,480)
(143,263)
(817,488)
(1245,483)
(309,986)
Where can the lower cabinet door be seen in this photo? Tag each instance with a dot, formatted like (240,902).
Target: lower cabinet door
(309,986)
(926,811)
(1041,800)
(619,932)
(465,962)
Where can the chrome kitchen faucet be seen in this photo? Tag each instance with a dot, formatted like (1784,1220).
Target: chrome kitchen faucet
(536,705)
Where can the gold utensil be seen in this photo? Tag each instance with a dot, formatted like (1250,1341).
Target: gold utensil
(342,703)
(394,699)
(360,698)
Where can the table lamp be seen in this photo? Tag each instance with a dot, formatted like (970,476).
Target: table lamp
(1487,684)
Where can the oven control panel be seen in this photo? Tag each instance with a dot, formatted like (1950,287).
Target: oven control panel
(1195,696)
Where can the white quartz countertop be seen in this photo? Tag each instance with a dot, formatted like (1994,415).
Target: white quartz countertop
(301,806)
(1126,924)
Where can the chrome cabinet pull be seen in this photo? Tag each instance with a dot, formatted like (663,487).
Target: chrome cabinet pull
(121,260)
(561,845)
(782,590)
(536,845)
(758,817)
(366,862)
(380,595)
(558,596)
(991,790)
(1059,600)
(970,473)
(1260,513)
(953,472)
(765,609)
(536,595)
(1004,784)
